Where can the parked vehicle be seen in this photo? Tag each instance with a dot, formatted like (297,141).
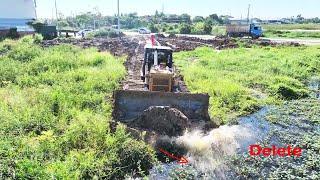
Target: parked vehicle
(240,30)
(144,31)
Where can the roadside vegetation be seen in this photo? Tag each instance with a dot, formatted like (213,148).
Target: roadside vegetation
(291,34)
(105,33)
(309,26)
(298,31)
(240,81)
(55,109)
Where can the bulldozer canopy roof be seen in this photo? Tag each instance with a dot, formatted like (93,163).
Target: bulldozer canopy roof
(149,46)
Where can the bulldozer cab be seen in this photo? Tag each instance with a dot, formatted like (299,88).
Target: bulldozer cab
(157,69)
(157,56)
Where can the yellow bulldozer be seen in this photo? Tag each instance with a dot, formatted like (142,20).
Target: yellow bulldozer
(157,70)
(160,89)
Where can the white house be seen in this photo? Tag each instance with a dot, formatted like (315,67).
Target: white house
(16,13)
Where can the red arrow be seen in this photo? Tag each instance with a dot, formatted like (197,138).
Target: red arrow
(181,160)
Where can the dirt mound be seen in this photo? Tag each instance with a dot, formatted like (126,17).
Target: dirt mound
(163,120)
(172,36)
(186,43)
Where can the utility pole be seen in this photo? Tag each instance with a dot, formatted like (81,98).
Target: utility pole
(35,8)
(56,9)
(118,18)
(248,16)
(162,8)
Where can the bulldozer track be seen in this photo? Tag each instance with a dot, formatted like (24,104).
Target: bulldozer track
(133,64)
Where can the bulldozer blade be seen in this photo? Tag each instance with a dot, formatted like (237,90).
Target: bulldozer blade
(130,104)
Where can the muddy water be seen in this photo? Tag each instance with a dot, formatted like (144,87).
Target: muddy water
(207,151)
(314,86)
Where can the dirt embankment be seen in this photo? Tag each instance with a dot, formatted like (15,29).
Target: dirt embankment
(133,65)
(185,43)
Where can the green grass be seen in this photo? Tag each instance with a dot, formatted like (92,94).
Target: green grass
(291,34)
(291,26)
(218,30)
(239,81)
(281,31)
(55,109)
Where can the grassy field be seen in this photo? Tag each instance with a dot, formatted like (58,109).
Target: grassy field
(288,31)
(291,34)
(291,26)
(240,81)
(54,112)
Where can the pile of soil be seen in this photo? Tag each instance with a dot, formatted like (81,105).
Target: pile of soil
(163,120)
(185,43)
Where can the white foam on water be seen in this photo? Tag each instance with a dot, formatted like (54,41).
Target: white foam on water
(207,151)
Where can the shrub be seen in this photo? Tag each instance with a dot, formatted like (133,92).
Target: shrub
(207,28)
(185,29)
(198,28)
(289,93)
(13,34)
(106,33)
(38,38)
(153,28)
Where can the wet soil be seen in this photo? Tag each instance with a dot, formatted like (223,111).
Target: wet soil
(163,120)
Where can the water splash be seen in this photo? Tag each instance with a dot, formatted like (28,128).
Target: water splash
(207,151)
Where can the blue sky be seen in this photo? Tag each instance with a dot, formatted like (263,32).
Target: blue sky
(265,9)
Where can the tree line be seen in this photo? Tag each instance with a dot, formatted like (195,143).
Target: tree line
(159,22)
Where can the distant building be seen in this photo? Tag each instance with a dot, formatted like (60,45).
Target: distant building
(276,21)
(16,14)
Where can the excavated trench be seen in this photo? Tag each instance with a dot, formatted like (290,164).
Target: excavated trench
(160,120)
(158,124)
